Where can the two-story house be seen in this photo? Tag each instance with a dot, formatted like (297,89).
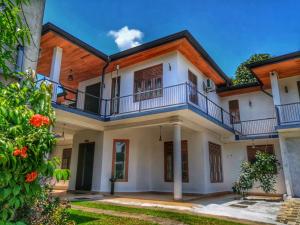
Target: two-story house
(163,117)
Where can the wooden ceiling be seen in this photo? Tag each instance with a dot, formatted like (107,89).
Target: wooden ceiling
(239,91)
(183,46)
(84,65)
(284,69)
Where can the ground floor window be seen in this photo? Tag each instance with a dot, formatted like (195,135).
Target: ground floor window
(66,158)
(168,161)
(215,161)
(252,150)
(120,159)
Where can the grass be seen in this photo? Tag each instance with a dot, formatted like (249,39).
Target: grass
(186,218)
(87,218)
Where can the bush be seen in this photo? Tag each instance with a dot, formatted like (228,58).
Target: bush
(263,171)
(46,210)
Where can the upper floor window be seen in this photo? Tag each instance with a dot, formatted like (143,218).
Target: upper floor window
(298,84)
(66,158)
(148,83)
(193,96)
(234,110)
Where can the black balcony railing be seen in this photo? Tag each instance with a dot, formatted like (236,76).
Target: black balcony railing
(168,97)
(258,127)
(288,113)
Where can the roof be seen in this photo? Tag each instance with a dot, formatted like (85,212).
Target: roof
(170,38)
(238,89)
(48,27)
(287,65)
(274,60)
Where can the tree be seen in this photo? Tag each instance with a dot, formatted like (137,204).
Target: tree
(13,33)
(263,171)
(26,122)
(243,75)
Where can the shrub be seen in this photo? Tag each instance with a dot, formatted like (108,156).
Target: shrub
(263,171)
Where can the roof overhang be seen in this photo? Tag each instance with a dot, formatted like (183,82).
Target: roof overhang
(286,66)
(238,89)
(183,42)
(85,61)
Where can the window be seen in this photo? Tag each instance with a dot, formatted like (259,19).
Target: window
(193,97)
(168,161)
(66,158)
(234,110)
(120,160)
(215,162)
(149,81)
(252,150)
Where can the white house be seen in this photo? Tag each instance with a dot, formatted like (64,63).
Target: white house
(163,117)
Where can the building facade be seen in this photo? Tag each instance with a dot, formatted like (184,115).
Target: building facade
(163,117)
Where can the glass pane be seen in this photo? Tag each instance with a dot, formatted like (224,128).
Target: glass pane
(120,160)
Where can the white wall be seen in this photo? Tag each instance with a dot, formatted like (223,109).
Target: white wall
(82,137)
(293,94)
(262,105)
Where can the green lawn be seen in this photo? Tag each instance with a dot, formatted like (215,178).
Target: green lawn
(87,218)
(178,216)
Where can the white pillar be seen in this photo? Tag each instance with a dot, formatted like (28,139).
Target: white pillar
(285,166)
(55,70)
(177,162)
(275,88)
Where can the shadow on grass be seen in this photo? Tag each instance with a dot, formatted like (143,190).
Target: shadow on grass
(80,218)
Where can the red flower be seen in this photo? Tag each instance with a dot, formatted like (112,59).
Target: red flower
(17,152)
(21,152)
(38,120)
(30,177)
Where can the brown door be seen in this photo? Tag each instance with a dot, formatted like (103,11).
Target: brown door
(66,158)
(92,98)
(115,94)
(215,162)
(193,87)
(85,165)
(298,84)
(234,110)
(168,161)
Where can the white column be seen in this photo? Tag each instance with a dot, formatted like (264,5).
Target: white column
(55,70)
(285,166)
(177,162)
(275,88)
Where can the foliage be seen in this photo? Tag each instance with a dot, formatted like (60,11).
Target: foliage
(13,32)
(243,75)
(46,210)
(263,171)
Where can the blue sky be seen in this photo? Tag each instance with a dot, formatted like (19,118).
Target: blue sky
(229,30)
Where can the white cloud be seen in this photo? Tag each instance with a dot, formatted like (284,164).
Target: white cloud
(126,38)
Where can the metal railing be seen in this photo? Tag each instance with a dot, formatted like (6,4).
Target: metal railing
(256,127)
(288,113)
(167,97)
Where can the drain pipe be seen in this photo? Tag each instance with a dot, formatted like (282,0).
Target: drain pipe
(102,82)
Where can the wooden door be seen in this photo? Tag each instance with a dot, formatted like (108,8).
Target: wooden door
(115,94)
(234,110)
(193,87)
(85,165)
(92,98)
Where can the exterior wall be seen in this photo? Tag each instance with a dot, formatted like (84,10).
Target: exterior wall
(262,105)
(293,94)
(82,137)
(184,65)
(293,156)
(146,161)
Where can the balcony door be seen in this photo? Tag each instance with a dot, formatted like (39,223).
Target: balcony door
(193,84)
(234,110)
(115,94)
(92,98)
(85,165)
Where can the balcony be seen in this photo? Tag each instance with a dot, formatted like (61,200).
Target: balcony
(258,128)
(181,96)
(288,115)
